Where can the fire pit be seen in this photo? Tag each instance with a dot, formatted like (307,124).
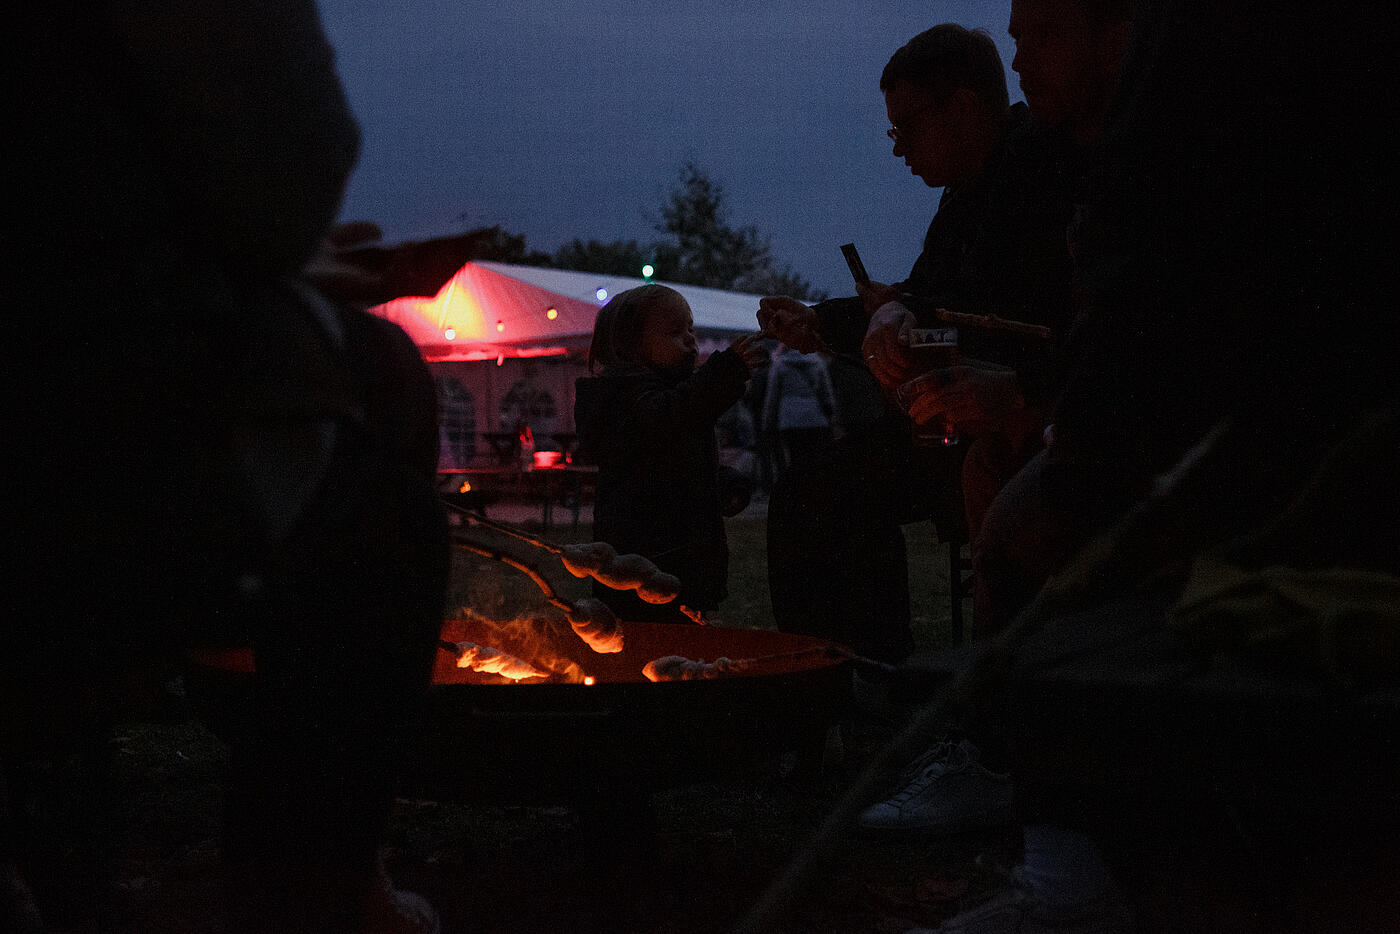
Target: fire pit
(566,741)
(570,705)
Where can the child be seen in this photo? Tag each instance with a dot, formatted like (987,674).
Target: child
(647,419)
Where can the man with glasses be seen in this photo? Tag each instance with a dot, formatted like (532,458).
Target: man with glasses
(837,561)
(998,245)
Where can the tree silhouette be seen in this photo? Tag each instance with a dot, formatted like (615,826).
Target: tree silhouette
(707,251)
(700,248)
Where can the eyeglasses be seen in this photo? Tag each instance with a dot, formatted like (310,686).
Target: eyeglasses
(897,134)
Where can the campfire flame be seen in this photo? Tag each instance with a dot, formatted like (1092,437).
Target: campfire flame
(592,620)
(491,661)
(525,648)
(534,640)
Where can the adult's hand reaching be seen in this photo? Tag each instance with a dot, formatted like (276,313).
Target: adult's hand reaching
(791,322)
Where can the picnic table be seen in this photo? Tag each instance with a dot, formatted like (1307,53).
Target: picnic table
(546,487)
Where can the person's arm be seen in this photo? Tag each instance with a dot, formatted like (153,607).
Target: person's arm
(661,409)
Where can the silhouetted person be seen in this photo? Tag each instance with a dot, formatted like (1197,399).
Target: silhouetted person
(837,560)
(647,418)
(799,410)
(214,453)
(1224,438)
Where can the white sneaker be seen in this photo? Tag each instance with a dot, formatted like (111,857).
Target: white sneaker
(948,791)
(396,911)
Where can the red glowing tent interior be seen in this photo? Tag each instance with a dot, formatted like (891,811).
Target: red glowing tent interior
(490,310)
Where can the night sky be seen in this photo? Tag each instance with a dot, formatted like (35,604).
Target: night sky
(562,120)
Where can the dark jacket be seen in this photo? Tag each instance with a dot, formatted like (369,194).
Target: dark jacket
(652,436)
(997,246)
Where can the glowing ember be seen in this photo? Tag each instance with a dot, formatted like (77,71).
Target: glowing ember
(466,487)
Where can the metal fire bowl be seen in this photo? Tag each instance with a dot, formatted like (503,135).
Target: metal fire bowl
(561,743)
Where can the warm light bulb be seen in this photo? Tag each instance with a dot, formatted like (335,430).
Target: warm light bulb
(500,325)
(589,679)
(450,334)
(552,313)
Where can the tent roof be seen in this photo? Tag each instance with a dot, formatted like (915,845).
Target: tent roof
(498,309)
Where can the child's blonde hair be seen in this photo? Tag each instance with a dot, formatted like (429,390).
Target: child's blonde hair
(617,332)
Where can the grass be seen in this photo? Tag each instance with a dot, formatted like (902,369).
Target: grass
(749,604)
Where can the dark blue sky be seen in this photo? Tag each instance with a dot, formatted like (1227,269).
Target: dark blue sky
(559,120)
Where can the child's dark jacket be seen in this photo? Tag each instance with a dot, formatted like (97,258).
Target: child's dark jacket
(652,435)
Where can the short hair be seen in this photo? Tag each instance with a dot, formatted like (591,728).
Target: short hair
(1105,13)
(617,331)
(948,57)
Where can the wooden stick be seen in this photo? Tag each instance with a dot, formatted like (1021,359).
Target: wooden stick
(993,323)
(738,667)
(473,519)
(545,587)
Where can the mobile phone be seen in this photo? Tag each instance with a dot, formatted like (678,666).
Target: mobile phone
(857,267)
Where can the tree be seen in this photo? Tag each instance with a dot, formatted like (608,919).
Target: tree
(707,251)
(619,258)
(701,248)
(497,245)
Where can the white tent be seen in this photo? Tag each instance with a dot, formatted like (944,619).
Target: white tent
(488,311)
(534,324)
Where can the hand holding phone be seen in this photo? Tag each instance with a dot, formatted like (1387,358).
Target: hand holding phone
(853,261)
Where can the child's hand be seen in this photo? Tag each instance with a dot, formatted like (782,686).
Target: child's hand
(750,349)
